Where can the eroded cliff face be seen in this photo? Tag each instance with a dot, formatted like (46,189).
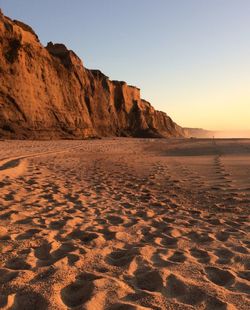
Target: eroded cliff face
(45,93)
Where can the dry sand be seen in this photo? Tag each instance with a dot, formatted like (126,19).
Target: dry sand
(125,224)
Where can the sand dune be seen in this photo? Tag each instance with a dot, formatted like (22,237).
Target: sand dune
(125,224)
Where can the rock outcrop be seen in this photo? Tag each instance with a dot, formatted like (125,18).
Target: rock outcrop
(46,93)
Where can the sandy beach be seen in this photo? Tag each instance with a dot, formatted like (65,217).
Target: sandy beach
(125,224)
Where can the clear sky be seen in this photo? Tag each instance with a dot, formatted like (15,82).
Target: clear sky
(191,58)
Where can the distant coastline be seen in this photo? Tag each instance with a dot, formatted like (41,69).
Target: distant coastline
(203,133)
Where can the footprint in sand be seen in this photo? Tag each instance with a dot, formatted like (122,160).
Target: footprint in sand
(184,292)
(149,280)
(244,275)
(192,295)
(121,258)
(115,220)
(4,235)
(167,241)
(224,255)
(219,276)
(24,300)
(7,276)
(84,236)
(202,256)
(178,257)
(78,292)
(28,234)
(240,249)
(200,237)
(222,236)
(17,263)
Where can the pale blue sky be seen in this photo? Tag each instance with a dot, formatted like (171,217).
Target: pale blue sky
(191,58)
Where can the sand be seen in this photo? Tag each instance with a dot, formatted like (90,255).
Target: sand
(125,224)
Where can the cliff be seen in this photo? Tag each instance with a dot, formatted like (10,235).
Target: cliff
(47,93)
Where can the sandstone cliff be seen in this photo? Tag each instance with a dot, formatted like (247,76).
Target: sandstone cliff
(46,92)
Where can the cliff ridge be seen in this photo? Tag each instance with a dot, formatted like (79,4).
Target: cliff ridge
(47,93)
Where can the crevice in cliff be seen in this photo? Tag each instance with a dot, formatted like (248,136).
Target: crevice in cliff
(87,101)
(12,53)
